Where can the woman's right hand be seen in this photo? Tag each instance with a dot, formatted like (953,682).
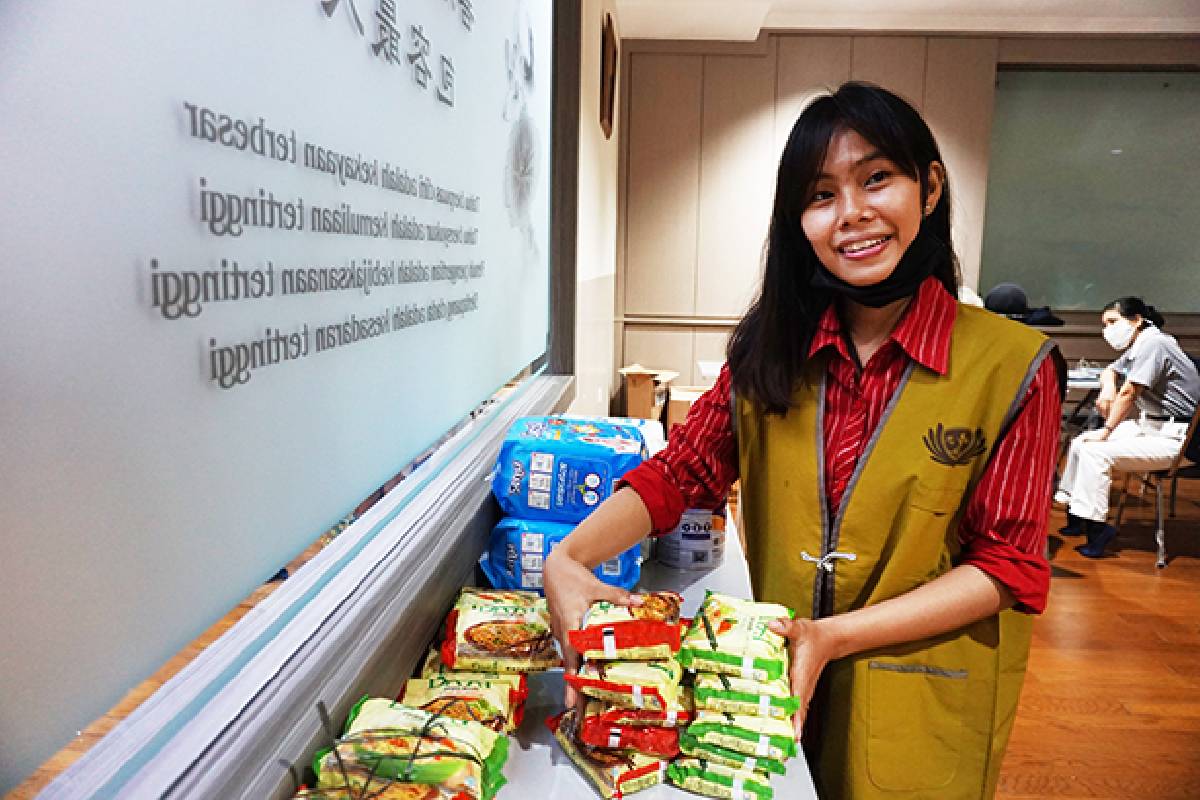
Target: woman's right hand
(571,588)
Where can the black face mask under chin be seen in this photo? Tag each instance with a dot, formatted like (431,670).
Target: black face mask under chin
(918,262)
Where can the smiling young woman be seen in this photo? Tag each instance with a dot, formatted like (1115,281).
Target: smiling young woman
(876,426)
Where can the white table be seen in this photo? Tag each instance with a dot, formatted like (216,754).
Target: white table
(538,769)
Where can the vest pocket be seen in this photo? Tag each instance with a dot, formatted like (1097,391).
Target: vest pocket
(938,499)
(915,725)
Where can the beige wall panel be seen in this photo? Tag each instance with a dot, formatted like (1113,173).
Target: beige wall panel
(896,63)
(596,228)
(807,66)
(660,348)
(737,169)
(1083,52)
(663,184)
(594,344)
(709,346)
(960,81)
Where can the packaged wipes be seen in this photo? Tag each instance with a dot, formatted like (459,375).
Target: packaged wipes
(653,740)
(642,633)
(487,703)
(731,636)
(615,773)
(517,549)
(717,691)
(557,468)
(650,685)
(390,745)
(499,631)
(690,746)
(761,737)
(717,780)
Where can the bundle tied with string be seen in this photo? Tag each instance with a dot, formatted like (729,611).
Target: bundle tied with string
(388,749)
(742,731)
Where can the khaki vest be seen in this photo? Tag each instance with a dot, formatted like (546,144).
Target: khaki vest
(929,718)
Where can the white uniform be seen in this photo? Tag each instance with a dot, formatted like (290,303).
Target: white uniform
(1152,442)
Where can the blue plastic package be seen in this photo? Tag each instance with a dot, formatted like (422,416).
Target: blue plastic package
(518,548)
(558,468)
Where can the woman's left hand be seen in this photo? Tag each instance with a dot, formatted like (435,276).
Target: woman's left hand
(811,647)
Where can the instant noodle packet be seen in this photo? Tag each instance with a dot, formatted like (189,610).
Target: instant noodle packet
(716,691)
(650,685)
(761,737)
(670,717)
(716,780)
(690,746)
(389,744)
(640,633)
(499,631)
(652,740)
(487,703)
(730,635)
(434,668)
(615,773)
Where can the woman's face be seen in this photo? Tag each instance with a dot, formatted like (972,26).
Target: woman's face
(1111,316)
(863,211)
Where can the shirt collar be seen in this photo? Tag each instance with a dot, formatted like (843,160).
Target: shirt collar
(923,332)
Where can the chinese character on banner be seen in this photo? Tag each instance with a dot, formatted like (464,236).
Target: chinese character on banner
(331,6)
(389,35)
(466,15)
(445,91)
(419,55)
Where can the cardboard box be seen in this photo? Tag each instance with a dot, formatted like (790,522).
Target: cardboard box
(646,391)
(680,403)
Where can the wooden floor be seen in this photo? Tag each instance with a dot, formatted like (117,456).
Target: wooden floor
(1111,705)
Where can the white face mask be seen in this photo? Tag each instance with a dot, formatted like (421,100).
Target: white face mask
(1119,334)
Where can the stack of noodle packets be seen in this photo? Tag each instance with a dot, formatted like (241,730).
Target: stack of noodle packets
(434,673)
(499,631)
(393,751)
(632,682)
(742,731)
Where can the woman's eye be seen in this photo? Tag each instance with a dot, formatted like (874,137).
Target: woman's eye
(878,176)
(820,196)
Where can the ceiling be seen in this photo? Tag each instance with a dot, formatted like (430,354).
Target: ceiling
(744,19)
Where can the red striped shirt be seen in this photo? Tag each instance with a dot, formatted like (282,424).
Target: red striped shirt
(1003,531)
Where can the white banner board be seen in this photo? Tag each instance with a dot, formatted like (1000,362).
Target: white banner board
(256,256)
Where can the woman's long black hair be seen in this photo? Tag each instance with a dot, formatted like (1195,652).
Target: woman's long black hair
(768,347)
(1130,307)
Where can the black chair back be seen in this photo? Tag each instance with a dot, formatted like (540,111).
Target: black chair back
(1191,449)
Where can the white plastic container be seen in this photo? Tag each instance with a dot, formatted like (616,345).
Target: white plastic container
(698,541)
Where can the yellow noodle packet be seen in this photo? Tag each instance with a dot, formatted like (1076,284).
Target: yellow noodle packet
(717,691)
(731,636)
(484,702)
(499,631)
(761,737)
(652,685)
(615,773)
(717,780)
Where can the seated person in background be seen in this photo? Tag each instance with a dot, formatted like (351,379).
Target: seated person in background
(1161,381)
(1009,300)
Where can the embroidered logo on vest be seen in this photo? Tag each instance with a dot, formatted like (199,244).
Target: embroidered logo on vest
(955,447)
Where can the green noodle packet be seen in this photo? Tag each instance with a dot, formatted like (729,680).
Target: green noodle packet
(691,746)
(388,743)
(721,692)
(730,635)
(761,737)
(716,780)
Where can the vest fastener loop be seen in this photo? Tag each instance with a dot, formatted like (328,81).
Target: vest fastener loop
(825,562)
